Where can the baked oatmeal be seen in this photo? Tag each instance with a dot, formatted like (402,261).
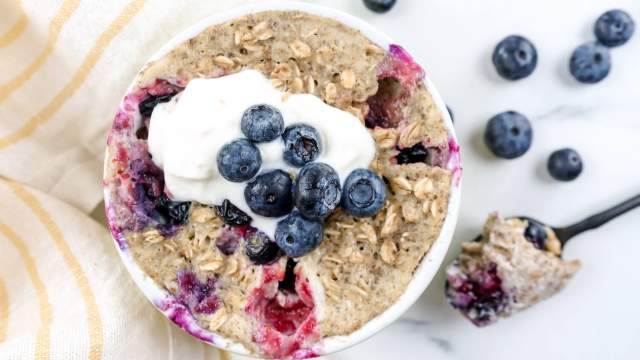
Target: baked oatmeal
(507,270)
(209,256)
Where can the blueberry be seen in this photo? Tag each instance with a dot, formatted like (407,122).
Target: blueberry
(301,144)
(260,249)
(231,215)
(262,123)
(171,212)
(590,63)
(364,193)
(565,164)
(508,135)
(147,105)
(415,154)
(614,28)
(515,57)
(536,233)
(270,194)
(239,160)
(297,235)
(379,6)
(317,190)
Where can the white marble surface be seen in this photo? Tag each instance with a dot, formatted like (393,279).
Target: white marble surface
(598,315)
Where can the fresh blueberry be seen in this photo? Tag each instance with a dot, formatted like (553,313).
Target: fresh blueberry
(536,233)
(415,154)
(565,164)
(301,144)
(147,105)
(231,215)
(270,194)
(614,28)
(171,212)
(508,135)
(239,160)
(515,57)
(590,63)
(262,123)
(260,249)
(317,190)
(379,6)
(297,235)
(364,193)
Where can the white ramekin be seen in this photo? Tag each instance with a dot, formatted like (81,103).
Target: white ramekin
(427,268)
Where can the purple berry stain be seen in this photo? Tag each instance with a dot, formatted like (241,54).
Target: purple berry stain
(199,297)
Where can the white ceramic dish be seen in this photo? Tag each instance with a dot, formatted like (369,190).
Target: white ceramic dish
(425,271)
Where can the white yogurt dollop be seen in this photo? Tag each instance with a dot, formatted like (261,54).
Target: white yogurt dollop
(186,134)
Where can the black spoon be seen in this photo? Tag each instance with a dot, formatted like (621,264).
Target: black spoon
(564,234)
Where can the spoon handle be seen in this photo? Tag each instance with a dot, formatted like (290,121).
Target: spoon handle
(592,222)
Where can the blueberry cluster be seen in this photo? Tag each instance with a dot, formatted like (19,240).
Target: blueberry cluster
(303,203)
(509,134)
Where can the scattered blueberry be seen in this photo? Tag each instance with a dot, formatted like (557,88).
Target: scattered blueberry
(171,212)
(590,63)
(379,6)
(536,233)
(508,135)
(260,249)
(231,215)
(147,105)
(565,164)
(364,193)
(262,123)
(614,28)
(301,144)
(270,194)
(239,160)
(297,235)
(515,57)
(317,190)
(415,154)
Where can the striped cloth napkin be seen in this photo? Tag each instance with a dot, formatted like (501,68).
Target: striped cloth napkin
(64,66)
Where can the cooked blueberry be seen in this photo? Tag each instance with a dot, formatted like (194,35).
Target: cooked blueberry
(239,160)
(229,238)
(379,6)
(415,154)
(301,144)
(260,249)
(614,28)
(270,194)
(289,281)
(231,215)
(364,193)
(515,57)
(172,212)
(565,164)
(147,105)
(508,135)
(590,63)
(317,190)
(297,235)
(536,233)
(262,123)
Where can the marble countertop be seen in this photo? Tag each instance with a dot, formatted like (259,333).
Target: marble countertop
(597,316)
